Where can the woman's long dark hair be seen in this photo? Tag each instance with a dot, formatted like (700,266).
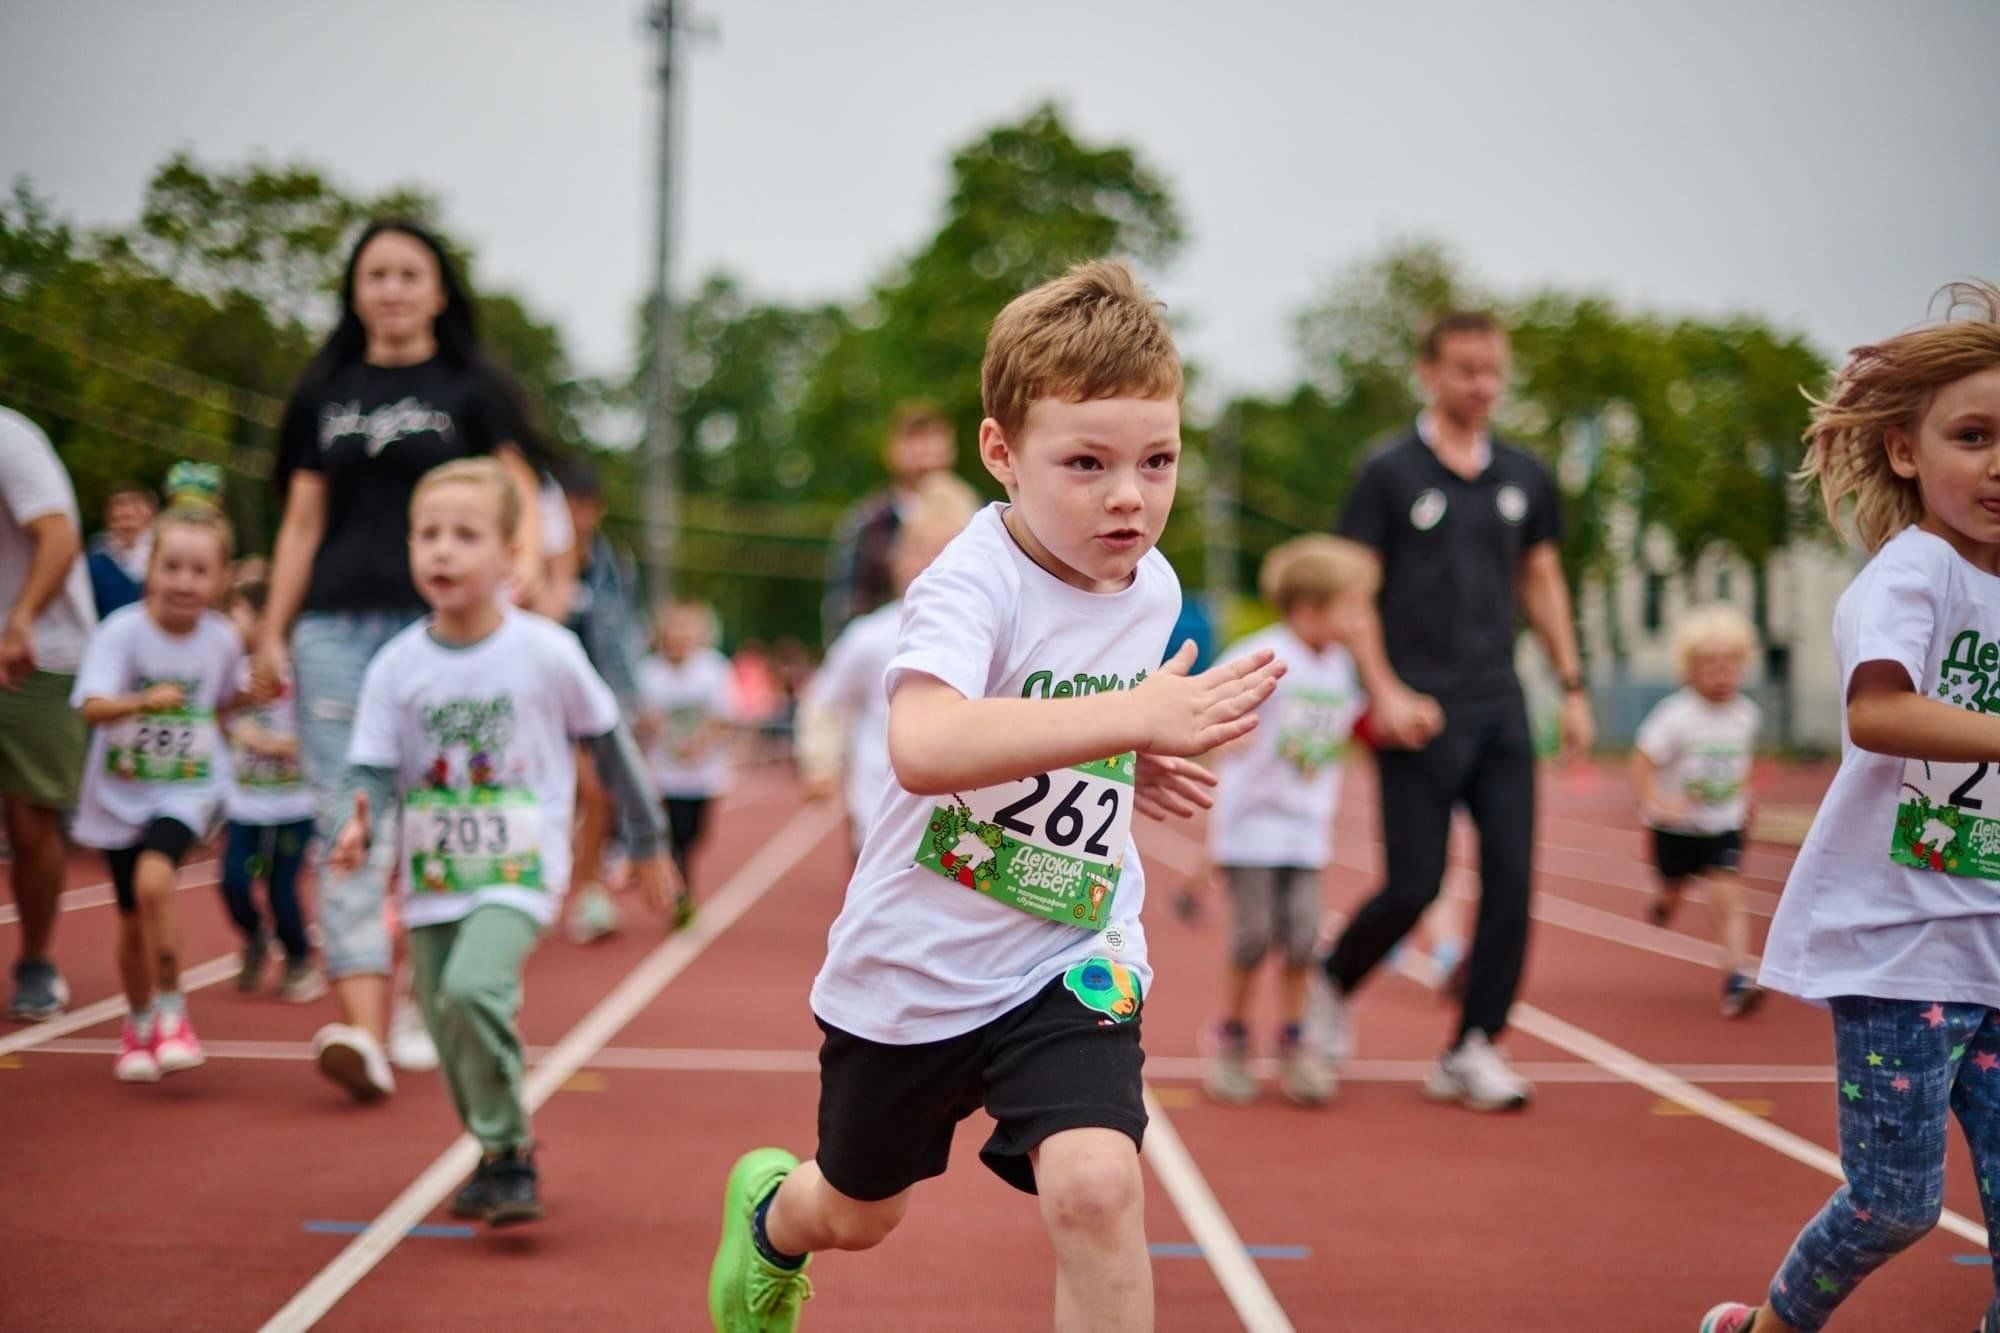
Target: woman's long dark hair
(455,329)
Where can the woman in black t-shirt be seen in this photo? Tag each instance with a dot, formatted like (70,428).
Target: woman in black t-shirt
(400,387)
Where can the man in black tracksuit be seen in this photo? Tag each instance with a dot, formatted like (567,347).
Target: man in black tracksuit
(1466,528)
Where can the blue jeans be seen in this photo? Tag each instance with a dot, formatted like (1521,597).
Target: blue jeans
(330,654)
(275,851)
(1903,1068)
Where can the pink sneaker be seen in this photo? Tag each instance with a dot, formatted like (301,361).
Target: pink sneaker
(135,1062)
(174,1043)
(1728,1317)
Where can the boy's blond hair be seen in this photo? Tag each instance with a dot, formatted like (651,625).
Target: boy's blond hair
(1092,333)
(201,517)
(1709,627)
(476,472)
(941,505)
(1314,570)
(1888,385)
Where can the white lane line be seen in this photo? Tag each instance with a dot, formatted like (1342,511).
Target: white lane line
(1209,1225)
(100,895)
(1589,1046)
(76,1020)
(763,871)
(1161,1068)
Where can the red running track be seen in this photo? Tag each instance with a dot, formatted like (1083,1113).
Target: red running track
(206,1201)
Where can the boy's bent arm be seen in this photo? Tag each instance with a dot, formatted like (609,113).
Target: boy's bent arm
(623,773)
(1885,714)
(942,742)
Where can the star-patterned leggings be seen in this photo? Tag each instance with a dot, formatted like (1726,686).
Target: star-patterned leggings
(1903,1069)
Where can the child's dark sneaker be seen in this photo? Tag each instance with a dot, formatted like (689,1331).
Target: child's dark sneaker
(683,910)
(1740,996)
(475,1197)
(251,975)
(511,1180)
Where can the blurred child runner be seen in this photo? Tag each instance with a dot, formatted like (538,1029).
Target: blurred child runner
(461,759)
(1892,911)
(990,952)
(844,714)
(1276,791)
(685,697)
(1691,767)
(270,810)
(152,683)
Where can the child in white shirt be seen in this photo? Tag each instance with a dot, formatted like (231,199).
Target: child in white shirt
(1892,911)
(1277,789)
(463,751)
(990,951)
(844,714)
(152,683)
(1691,769)
(687,707)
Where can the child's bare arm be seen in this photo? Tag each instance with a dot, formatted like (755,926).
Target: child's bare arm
(1885,714)
(941,742)
(163,697)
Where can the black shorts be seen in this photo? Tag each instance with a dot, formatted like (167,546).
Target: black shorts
(1679,855)
(169,837)
(1055,1063)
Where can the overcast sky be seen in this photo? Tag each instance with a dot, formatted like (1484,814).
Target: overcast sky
(1823,163)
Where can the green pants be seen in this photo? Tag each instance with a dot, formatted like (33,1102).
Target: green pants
(468,982)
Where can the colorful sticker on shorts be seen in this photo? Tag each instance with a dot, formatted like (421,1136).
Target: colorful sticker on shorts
(1052,845)
(1112,989)
(173,746)
(462,841)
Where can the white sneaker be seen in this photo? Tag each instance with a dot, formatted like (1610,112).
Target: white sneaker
(592,916)
(1329,1024)
(352,1058)
(410,1045)
(1476,1076)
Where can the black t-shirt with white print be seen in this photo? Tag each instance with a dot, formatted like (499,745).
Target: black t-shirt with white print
(372,431)
(1451,550)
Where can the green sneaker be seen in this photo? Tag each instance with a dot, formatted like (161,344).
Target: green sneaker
(683,910)
(747,1293)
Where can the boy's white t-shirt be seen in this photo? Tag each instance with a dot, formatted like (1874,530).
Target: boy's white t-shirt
(850,682)
(687,698)
(265,790)
(1278,787)
(171,765)
(1854,921)
(916,956)
(480,738)
(1703,751)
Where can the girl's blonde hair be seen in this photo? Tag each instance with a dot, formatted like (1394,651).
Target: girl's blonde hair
(202,518)
(1885,386)
(1715,625)
(485,472)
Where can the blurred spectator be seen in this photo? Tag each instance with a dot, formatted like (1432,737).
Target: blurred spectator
(1194,624)
(118,555)
(46,592)
(754,685)
(857,576)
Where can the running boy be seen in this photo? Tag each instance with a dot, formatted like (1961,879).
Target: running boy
(1691,767)
(1891,913)
(990,951)
(270,811)
(1272,830)
(684,697)
(151,683)
(463,752)
(844,716)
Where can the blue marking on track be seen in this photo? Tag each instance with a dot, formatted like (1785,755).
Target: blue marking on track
(1187,1250)
(423,1232)
(1978,1259)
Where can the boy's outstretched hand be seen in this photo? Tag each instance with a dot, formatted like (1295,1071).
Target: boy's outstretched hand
(659,882)
(350,845)
(1167,785)
(1187,715)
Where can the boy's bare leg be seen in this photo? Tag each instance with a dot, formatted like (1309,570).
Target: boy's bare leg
(1292,992)
(153,886)
(1236,993)
(809,1215)
(1732,922)
(1093,1205)
(363,998)
(135,965)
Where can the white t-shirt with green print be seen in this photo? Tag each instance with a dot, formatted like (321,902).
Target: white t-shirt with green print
(926,946)
(1896,890)
(1703,752)
(1277,788)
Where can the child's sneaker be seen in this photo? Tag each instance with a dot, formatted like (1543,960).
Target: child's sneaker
(683,910)
(40,993)
(1329,1026)
(594,915)
(301,982)
(135,1062)
(175,1046)
(511,1190)
(1475,1076)
(1229,1079)
(351,1057)
(747,1293)
(410,1044)
(251,975)
(1728,1317)
(474,1199)
(1740,996)
(1304,1076)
